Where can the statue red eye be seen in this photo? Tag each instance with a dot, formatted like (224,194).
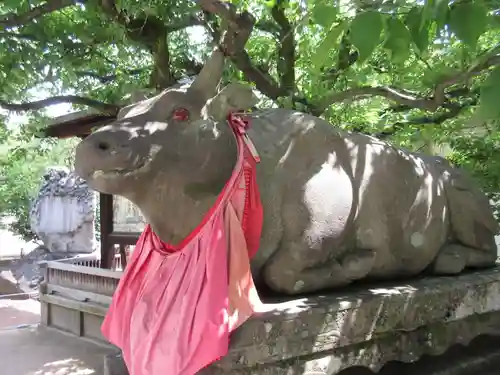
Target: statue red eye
(180,114)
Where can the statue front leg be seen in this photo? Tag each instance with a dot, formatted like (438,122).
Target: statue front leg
(296,269)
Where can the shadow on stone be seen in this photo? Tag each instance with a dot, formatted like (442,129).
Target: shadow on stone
(366,327)
(480,357)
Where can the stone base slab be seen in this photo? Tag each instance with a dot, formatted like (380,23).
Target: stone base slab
(365,326)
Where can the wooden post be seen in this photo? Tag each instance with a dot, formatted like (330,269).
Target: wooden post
(106,220)
(44,307)
(123,255)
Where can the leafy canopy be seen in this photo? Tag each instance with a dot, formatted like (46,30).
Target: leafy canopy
(423,74)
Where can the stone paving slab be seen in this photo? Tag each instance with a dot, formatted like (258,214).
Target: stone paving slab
(41,351)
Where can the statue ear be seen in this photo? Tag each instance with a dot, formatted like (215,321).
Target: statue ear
(232,98)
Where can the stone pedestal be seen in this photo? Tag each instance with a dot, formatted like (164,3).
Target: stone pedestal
(366,327)
(114,365)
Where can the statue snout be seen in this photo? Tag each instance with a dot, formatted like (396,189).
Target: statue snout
(105,151)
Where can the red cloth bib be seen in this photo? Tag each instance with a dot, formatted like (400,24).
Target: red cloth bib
(174,308)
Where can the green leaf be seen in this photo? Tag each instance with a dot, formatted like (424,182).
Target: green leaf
(324,14)
(468,21)
(437,73)
(441,15)
(366,29)
(489,98)
(495,21)
(398,40)
(427,12)
(321,57)
(420,35)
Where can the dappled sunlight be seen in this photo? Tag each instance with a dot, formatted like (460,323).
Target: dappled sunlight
(69,366)
(37,350)
(303,121)
(291,307)
(395,290)
(369,326)
(138,108)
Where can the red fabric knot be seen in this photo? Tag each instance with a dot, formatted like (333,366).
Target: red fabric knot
(181,114)
(238,123)
(240,126)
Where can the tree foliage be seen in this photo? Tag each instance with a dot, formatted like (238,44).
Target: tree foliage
(23,160)
(419,73)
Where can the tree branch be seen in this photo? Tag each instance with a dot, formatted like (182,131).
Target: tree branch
(108,78)
(439,92)
(405,98)
(462,92)
(268,27)
(21,36)
(225,10)
(109,7)
(452,112)
(142,29)
(152,33)
(162,76)
(346,58)
(189,21)
(367,91)
(240,27)
(286,49)
(10,20)
(73,99)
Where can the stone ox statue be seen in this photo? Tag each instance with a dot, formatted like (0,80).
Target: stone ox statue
(338,206)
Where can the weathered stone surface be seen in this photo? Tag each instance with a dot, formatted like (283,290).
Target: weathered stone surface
(339,207)
(63,213)
(480,357)
(396,322)
(114,365)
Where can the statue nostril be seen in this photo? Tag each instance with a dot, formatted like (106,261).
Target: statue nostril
(103,146)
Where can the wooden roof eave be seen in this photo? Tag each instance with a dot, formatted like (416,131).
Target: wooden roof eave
(77,124)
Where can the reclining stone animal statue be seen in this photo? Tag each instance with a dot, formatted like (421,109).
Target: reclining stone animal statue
(338,206)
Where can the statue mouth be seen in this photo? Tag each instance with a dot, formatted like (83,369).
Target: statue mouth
(119,172)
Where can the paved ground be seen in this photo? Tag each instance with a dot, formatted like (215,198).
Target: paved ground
(12,246)
(41,351)
(14,313)
(26,348)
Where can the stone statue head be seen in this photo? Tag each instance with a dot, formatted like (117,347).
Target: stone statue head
(166,134)
(170,149)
